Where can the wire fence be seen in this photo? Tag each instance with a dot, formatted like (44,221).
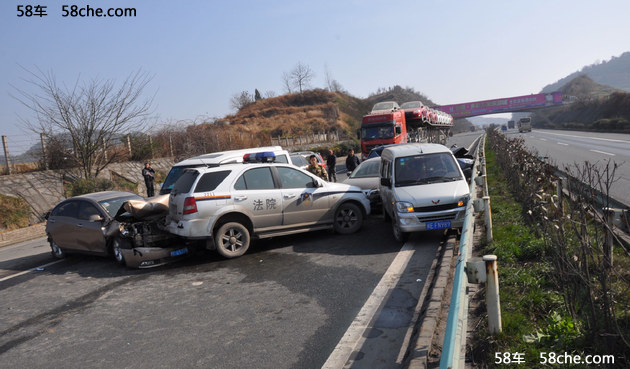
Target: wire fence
(27,153)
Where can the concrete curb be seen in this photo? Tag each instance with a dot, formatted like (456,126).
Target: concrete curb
(8,238)
(431,307)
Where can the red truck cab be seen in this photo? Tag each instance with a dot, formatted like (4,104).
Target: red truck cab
(382,128)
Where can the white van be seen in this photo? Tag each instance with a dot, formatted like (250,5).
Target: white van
(422,188)
(219,158)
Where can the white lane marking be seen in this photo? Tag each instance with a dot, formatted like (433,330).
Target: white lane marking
(30,270)
(354,335)
(543,139)
(602,152)
(562,143)
(587,137)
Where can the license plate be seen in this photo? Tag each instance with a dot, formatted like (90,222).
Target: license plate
(179,252)
(439,225)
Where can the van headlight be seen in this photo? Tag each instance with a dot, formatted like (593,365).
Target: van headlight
(404,207)
(463,201)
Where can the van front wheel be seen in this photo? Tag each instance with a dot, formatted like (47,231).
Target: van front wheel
(399,235)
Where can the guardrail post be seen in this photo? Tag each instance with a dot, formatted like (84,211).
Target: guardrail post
(487,218)
(609,215)
(493,303)
(560,196)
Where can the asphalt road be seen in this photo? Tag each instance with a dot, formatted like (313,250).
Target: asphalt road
(286,304)
(573,148)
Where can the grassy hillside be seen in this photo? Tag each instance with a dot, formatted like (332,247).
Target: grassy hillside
(316,111)
(583,87)
(296,114)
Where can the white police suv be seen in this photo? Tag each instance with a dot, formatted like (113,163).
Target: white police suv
(230,204)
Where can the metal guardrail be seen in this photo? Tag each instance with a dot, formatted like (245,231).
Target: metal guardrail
(453,347)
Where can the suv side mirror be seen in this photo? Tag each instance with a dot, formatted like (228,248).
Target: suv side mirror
(386,182)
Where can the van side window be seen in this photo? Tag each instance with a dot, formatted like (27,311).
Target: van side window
(386,169)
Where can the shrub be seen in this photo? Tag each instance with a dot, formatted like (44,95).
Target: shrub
(14,212)
(83,186)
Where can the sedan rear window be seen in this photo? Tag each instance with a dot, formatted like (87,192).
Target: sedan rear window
(185,182)
(367,169)
(209,181)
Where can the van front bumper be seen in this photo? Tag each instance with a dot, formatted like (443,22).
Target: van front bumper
(418,222)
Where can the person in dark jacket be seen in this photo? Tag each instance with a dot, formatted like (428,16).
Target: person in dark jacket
(352,161)
(149,176)
(331,162)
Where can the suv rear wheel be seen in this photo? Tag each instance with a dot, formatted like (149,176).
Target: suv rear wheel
(232,240)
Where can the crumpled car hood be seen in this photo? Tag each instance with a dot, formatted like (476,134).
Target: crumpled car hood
(143,210)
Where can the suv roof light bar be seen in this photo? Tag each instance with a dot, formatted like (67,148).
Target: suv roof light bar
(260,157)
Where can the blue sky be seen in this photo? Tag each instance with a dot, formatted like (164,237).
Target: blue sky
(201,53)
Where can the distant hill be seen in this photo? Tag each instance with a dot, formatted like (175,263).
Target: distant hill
(596,107)
(615,73)
(583,87)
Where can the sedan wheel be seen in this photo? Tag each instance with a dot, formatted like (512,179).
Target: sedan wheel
(348,219)
(56,250)
(232,240)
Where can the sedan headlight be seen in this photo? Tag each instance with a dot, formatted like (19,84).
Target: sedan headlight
(404,207)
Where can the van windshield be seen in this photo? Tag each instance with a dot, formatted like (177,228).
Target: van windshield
(426,169)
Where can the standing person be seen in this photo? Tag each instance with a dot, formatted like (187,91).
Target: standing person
(352,161)
(149,175)
(317,169)
(331,162)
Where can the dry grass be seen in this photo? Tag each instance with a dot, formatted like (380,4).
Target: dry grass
(14,213)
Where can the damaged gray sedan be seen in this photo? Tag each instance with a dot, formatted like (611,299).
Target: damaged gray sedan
(118,224)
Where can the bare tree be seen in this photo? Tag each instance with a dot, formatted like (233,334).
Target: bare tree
(92,113)
(287,83)
(241,100)
(301,76)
